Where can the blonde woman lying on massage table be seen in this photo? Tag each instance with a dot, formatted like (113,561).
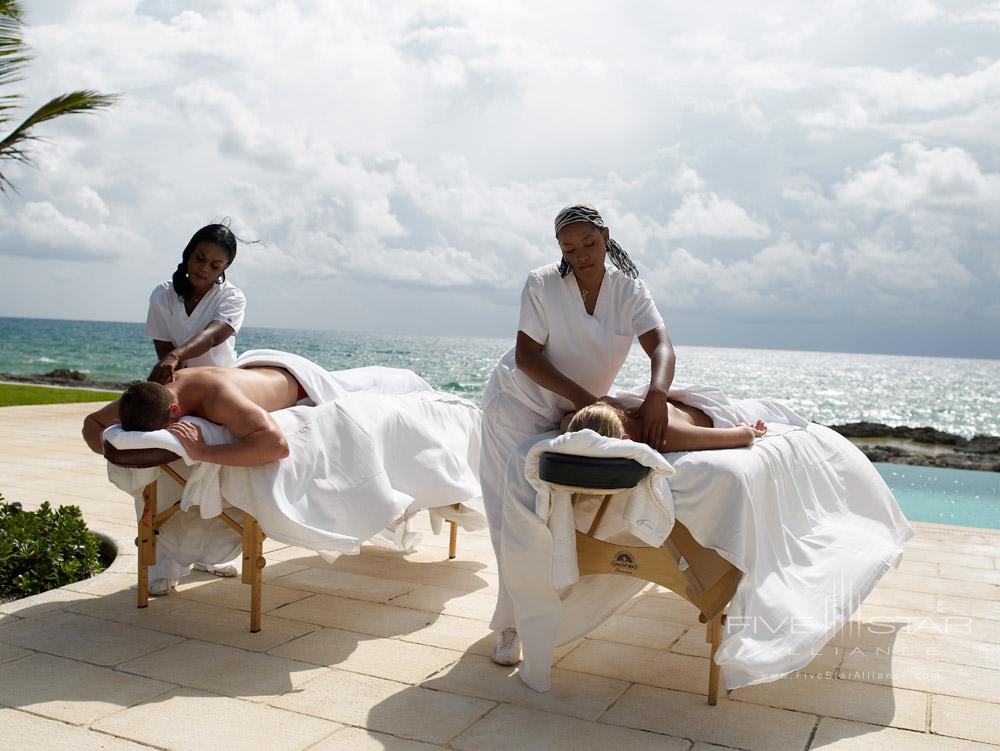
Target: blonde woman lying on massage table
(689,429)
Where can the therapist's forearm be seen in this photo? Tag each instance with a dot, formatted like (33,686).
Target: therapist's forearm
(661,368)
(214,334)
(537,367)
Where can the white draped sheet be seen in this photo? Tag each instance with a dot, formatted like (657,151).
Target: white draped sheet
(801,512)
(386,447)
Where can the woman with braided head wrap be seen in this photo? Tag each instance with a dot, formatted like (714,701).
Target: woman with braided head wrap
(578,321)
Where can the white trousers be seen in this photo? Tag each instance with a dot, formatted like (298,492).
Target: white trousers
(507,423)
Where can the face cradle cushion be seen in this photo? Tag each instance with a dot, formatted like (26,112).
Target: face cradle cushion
(599,473)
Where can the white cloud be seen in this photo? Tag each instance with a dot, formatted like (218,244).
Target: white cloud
(708,215)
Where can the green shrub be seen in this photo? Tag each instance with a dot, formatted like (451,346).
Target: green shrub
(44,549)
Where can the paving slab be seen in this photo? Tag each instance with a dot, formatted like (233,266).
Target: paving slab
(187,720)
(652,667)
(576,694)
(514,728)
(49,735)
(965,718)
(729,723)
(843,735)
(92,640)
(72,691)
(361,653)
(359,739)
(387,706)
(224,670)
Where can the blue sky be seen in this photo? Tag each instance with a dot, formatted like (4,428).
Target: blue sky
(796,175)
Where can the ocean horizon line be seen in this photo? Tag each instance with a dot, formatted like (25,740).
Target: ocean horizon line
(361,332)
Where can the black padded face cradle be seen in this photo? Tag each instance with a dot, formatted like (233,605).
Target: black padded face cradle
(599,473)
(138,458)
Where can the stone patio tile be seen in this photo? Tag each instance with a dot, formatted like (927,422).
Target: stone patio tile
(444,575)
(849,700)
(663,609)
(514,728)
(963,573)
(292,553)
(964,718)
(184,720)
(916,567)
(640,632)
(954,546)
(43,604)
(356,615)
(71,691)
(924,675)
(358,739)
(197,620)
(965,626)
(224,670)
(937,585)
(105,584)
(957,605)
(901,598)
(843,735)
(386,706)
(711,747)
(639,665)
(449,601)
(449,632)
(933,555)
(426,554)
(231,592)
(729,723)
(8,652)
(576,694)
(92,640)
(360,653)
(49,735)
(345,584)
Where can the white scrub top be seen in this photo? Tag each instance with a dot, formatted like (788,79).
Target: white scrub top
(588,349)
(167,321)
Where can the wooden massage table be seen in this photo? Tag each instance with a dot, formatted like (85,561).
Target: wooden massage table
(698,574)
(150,522)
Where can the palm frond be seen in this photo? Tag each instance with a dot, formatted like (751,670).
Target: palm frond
(13,52)
(12,147)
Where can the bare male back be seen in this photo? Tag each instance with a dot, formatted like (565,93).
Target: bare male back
(237,398)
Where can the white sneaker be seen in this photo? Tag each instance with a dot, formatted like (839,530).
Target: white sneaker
(508,648)
(222,570)
(159,587)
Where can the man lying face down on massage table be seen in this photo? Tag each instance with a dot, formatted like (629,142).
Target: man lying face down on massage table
(236,398)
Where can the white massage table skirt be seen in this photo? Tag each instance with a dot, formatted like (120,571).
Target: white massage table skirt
(802,513)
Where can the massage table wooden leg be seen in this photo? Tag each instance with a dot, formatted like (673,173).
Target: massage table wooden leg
(713,635)
(146,542)
(253,566)
(453,535)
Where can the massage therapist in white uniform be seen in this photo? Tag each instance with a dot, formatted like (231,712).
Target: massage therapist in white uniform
(193,319)
(578,321)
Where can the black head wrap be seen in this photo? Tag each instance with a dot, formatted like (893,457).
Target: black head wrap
(581,212)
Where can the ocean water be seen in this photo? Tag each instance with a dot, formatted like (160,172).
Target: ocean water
(961,396)
(956,395)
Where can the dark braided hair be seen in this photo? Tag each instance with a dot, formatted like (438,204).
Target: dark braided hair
(581,212)
(216,234)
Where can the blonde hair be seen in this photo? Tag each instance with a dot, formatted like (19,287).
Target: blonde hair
(600,417)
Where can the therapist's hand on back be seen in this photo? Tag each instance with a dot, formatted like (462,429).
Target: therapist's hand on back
(163,371)
(652,414)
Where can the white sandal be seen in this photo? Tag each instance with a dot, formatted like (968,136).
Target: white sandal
(508,648)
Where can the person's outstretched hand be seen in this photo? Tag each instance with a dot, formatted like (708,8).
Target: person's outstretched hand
(163,371)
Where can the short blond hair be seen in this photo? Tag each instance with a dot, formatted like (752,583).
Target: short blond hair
(600,417)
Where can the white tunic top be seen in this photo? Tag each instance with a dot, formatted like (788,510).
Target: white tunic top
(588,349)
(167,321)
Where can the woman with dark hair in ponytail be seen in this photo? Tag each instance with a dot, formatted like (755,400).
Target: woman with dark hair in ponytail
(193,319)
(578,321)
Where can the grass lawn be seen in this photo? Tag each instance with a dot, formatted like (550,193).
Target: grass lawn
(13,394)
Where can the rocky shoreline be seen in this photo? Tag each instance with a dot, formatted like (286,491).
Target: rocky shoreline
(925,447)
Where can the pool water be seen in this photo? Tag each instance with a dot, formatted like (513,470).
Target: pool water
(945,496)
